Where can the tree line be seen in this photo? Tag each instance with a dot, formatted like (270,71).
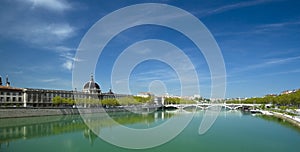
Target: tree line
(111,102)
(178,101)
(130,100)
(291,99)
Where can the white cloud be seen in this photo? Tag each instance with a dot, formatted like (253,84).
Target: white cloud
(68,56)
(33,26)
(68,65)
(63,48)
(54,5)
(52,32)
(49,80)
(25,21)
(37,32)
(60,30)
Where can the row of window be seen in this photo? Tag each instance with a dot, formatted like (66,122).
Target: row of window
(51,95)
(39,100)
(45,94)
(13,99)
(39,95)
(11,93)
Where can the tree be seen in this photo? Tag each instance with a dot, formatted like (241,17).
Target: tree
(57,100)
(285,100)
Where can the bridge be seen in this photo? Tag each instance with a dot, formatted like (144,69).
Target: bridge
(205,106)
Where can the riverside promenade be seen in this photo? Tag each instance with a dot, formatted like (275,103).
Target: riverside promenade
(34,112)
(292,119)
(37,112)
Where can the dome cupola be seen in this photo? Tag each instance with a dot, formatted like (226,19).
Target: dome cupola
(91,86)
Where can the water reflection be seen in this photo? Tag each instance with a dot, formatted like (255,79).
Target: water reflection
(233,131)
(32,127)
(279,121)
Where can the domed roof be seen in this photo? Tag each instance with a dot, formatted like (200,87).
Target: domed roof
(91,86)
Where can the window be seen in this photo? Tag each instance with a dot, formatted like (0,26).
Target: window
(29,98)
(7,98)
(39,97)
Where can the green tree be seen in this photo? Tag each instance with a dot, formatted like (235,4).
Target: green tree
(57,100)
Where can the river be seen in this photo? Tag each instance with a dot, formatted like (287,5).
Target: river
(233,131)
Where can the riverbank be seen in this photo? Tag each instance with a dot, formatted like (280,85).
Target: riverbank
(291,119)
(36,112)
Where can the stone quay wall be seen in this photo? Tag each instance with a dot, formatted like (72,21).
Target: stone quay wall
(36,112)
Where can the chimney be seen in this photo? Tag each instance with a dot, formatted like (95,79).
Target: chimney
(0,81)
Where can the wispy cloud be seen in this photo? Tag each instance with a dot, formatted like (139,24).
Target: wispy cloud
(26,24)
(68,64)
(63,48)
(49,80)
(240,80)
(18,72)
(282,60)
(54,5)
(32,27)
(279,25)
(229,7)
(53,33)
(67,54)
(59,30)
(164,74)
(53,83)
(275,26)
(266,63)
(262,29)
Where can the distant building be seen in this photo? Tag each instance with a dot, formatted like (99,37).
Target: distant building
(9,95)
(271,95)
(144,94)
(159,100)
(30,97)
(288,91)
(196,96)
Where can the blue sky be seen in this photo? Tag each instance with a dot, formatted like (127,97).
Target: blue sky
(259,40)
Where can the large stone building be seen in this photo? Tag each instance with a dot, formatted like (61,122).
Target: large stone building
(29,97)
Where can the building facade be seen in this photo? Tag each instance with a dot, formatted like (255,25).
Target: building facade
(30,97)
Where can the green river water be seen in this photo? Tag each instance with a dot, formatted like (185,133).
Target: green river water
(233,131)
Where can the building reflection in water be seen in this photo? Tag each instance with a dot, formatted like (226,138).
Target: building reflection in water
(33,127)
